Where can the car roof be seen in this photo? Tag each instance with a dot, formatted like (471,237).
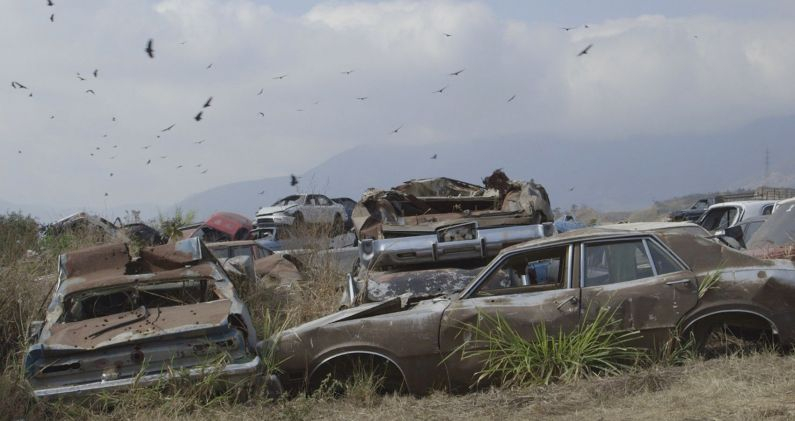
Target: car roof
(745,203)
(604,231)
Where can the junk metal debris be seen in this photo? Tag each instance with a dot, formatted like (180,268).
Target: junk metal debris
(419,207)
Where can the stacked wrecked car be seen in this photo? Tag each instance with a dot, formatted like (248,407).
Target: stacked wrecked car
(115,321)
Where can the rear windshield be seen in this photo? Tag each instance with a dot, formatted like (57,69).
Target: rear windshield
(101,303)
(779,228)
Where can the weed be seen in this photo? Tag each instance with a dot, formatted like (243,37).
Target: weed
(592,348)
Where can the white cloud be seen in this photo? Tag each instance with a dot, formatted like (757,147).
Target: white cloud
(644,75)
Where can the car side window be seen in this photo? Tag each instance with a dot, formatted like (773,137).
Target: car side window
(615,262)
(323,201)
(767,210)
(538,270)
(663,262)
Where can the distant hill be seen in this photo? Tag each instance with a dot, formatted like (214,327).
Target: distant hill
(607,175)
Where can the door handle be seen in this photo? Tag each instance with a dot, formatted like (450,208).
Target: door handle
(571,299)
(681,281)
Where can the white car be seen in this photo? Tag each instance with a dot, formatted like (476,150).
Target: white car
(303,209)
(724,215)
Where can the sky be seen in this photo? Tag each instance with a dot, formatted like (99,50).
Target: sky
(286,78)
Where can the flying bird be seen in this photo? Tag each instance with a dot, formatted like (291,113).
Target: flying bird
(398,129)
(90,91)
(146,147)
(571,189)
(207,104)
(16,85)
(30,94)
(204,172)
(585,51)
(163,156)
(209,65)
(20,151)
(52,117)
(96,72)
(261,91)
(569,28)
(440,90)
(434,156)
(179,166)
(149,50)
(293,180)
(261,114)
(169,127)
(49,3)
(111,174)
(281,77)
(262,192)
(511,98)
(446,34)
(199,142)
(148,161)
(198,117)
(361,98)
(347,72)
(106,194)
(456,73)
(52,17)
(80,77)
(113,119)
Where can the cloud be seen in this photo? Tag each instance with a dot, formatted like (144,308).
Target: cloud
(647,74)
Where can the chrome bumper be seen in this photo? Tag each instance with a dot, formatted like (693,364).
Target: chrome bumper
(229,372)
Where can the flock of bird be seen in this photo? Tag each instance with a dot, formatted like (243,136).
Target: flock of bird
(294,180)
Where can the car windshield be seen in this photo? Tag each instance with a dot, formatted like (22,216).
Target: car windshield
(106,302)
(289,200)
(779,228)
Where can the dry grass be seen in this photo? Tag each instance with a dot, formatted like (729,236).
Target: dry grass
(743,386)
(757,386)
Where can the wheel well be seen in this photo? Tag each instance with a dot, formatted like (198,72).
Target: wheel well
(341,368)
(736,321)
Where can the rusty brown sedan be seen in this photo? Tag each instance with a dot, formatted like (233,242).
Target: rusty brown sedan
(650,275)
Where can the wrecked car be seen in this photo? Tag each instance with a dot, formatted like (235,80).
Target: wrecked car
(283,268)
(724,215)
(421,206)
(220,226)
(775,238)
(115,321)
(654,280)
(303,209)
(430,265)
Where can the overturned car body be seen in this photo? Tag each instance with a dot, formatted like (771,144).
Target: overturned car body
(420,207)
(115,321)
(653,280)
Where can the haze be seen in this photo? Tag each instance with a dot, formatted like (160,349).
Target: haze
(702,77)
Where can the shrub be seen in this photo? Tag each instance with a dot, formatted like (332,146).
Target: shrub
(592,348)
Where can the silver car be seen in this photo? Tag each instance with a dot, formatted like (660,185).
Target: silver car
(303,208)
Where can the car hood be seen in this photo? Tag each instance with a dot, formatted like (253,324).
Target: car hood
(268,210)
(392,305)
(418,284)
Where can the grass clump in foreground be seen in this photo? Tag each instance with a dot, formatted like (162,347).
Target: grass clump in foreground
(594,347)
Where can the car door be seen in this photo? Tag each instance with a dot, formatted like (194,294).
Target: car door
(310,209)
(325,210)
(526,289)
(646,286)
